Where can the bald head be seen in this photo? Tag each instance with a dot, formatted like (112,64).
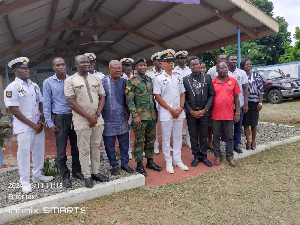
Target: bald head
(82,64)
(80,57)
(222,69)
(221,58)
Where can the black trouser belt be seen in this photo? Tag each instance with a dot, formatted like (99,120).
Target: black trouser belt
(69,114)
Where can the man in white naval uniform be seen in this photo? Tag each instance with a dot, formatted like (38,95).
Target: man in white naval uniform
(24,99)
(92,58)
(127,74)
(152,73)
(183,70)
(169,91)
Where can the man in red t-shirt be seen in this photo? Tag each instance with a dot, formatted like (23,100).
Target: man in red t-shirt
(222,115)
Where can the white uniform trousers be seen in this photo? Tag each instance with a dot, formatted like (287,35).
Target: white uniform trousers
(30,141)
(167,127)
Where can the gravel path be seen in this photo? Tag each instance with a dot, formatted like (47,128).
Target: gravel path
(11,194)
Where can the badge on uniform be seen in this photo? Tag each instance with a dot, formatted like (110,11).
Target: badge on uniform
(8,94)
(127,89)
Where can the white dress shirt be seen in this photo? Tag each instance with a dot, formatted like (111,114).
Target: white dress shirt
(183,72)
(241,78)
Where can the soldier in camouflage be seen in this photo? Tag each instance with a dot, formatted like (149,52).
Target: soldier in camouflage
(140,101)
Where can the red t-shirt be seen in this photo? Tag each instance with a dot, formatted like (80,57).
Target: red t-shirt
(222,108)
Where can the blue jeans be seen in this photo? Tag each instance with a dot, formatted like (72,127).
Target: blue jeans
(110,142)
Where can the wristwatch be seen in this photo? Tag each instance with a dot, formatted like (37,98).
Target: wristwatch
(98,114)
(182,106)
(260,103)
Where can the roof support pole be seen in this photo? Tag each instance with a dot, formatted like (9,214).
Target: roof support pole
(239,46)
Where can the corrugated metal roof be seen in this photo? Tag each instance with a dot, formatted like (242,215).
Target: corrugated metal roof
(32,20)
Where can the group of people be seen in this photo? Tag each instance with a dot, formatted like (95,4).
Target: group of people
(89,108)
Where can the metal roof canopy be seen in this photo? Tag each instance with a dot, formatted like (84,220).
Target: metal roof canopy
(44,29)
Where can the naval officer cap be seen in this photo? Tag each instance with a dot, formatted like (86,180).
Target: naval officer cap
(18,62)
(154,56)
(166,54)
(181,54)
(91,56)
(126,61)
(139,60)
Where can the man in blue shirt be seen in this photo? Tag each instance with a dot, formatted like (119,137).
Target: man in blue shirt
(55,101)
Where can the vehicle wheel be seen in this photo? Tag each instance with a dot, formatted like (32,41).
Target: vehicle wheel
(275,96)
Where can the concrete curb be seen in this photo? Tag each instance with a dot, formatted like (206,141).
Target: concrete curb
(65,200)
(260,148)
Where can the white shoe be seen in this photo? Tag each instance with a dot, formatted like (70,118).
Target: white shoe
(130,155)
(26,188)
(156,150)
(42,178)
(144,154)
(180,165)
(169,168)
(188,143)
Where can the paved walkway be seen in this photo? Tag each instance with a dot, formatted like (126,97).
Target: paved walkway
(153,178)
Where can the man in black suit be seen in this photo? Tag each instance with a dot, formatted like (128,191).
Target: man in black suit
(199,97)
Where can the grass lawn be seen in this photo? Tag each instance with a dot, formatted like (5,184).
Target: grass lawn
(261,189)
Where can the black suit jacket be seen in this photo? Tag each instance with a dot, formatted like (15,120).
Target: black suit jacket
(206,99)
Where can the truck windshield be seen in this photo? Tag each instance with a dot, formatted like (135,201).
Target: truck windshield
(270,74)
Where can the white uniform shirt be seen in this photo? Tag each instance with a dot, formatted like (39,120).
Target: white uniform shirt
(124,76)
(241,78)
(170,89)
(152,73)
(183,72)
(98,74)
(213,72)
(27,97)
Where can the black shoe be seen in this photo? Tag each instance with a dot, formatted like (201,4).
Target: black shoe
(195,162)
(237,149)
(140,168)
(100,178)
(89,182)
(128,169)
(114,171)
(67,183)
(78,176)
(207,162)
(151,165)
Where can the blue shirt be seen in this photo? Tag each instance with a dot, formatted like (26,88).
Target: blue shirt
(54,99)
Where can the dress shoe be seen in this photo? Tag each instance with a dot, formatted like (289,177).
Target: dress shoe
(231,161)
(206,162)
(151,165)
(169,167)
(100,178)
(156,150)
(237,149)
(253,147)
(78,176)
(26,188)
(180,165)
(88,182)
(67,183)
(140,168)
(114,171)
(128,169)
(42,178)
(217,161)
(195,162)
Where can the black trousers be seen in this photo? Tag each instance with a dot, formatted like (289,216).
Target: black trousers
(198,125)
(64,123)
(225,126)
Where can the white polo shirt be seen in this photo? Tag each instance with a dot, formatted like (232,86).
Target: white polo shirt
(183,72)
(213,72)
(170,89)
(27,97)
(241,78)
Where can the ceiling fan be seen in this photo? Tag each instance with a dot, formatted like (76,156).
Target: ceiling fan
(96,40)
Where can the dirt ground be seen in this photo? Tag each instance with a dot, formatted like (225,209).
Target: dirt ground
(261,189)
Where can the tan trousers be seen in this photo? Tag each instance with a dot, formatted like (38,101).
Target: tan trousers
(88,142)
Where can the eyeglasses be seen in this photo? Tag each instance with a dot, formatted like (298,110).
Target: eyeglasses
(168,60)
(117,68)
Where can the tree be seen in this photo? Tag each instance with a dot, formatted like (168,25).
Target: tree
(264,5)
(292,54)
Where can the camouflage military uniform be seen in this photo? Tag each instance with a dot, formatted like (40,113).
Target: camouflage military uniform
(140,101)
